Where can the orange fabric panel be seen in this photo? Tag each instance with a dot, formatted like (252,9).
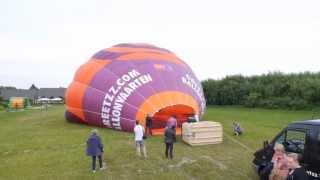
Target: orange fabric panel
(166,98)
(134,50)
(74,96)
(142,117)
(157,100)
(148,55)
(192,103)
(180,98)
(88,70)
(151,105)
(147,109)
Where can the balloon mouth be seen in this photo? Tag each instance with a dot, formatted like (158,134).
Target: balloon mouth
(160,118)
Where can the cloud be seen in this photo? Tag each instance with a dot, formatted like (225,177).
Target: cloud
(44,42)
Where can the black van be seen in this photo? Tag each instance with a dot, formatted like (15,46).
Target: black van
(301,137)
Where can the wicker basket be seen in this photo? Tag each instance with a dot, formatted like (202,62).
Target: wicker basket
(202,133)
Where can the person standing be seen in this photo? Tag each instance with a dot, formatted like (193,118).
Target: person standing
(148,125)
(95,149)
(169,139)
(138,137)
(196,117)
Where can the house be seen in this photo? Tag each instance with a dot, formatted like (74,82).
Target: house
(6,94)
(51,92)
(33,93)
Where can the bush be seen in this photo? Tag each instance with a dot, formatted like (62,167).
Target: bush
(273,90)
(3,104)
(253,100)
(298,104)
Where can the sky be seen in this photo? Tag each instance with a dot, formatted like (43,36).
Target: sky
(43,42)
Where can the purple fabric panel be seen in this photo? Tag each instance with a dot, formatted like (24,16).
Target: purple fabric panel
(103,80)
(200,100)
(94,119)
(127,125)
(177,72)
(128,112)
(70,117)
(168,76)
(100,84)
(157,84)
(167,79)
(173,78)
(151,88)
(183,87)
(136,98)
(163,79)
(92,104)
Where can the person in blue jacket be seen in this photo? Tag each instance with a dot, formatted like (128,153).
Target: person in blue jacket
(95,149)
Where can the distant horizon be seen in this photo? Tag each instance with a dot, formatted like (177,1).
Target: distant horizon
(269,72)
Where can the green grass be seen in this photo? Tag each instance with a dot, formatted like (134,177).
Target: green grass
(37,144)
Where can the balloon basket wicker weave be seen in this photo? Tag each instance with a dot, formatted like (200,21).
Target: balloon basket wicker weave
(202,133)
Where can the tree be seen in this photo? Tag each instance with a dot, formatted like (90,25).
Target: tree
(272,90)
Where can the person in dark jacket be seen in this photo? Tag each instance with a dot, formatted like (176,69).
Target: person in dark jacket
(149,125)
(297,172)
(95,149)
(169,139)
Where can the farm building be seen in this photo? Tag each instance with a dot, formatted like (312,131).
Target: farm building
(33,93)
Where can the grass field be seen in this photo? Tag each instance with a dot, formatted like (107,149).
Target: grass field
(37,144)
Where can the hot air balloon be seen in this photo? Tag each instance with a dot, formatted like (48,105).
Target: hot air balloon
(124,83)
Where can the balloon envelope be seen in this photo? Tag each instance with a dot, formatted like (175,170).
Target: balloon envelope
(124,83)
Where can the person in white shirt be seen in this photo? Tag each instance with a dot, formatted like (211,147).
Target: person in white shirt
(138,137)
(196,117)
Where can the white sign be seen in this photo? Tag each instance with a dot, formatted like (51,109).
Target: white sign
(117,95)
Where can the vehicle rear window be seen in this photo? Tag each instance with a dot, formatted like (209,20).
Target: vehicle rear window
(296,135)
(296,140)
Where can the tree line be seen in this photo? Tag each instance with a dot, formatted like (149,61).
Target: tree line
(273,90)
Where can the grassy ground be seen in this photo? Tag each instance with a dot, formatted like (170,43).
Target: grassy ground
(37,144)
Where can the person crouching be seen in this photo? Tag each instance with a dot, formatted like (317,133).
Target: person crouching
(237,130)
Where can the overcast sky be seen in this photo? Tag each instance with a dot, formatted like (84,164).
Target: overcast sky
(44,42)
